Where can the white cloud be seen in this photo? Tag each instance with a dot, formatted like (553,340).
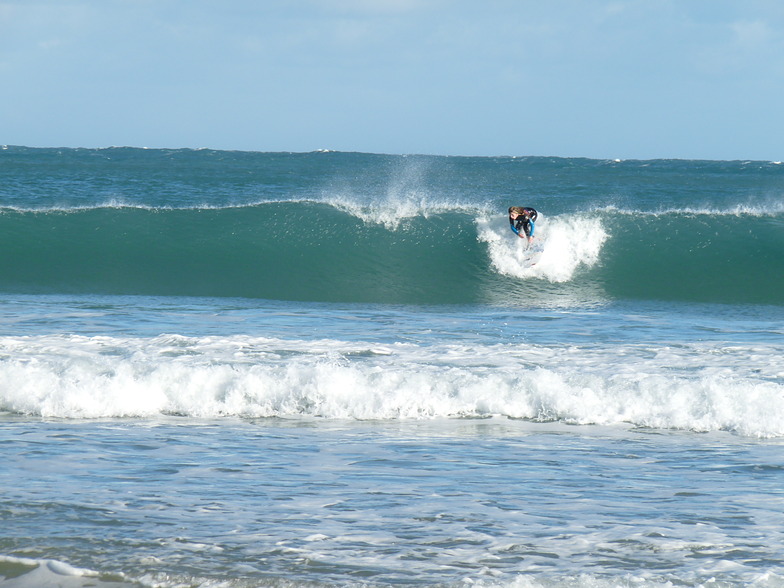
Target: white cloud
(751,34)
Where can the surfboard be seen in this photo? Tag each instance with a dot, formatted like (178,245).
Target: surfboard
(532,254)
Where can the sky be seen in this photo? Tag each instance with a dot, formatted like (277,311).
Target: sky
(629,79)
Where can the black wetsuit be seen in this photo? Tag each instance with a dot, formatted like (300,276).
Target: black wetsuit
(524,222)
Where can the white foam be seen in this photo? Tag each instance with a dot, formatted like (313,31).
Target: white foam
(566,243)
(640,579)
(50,573)
(687,387)
(770,207)
(121,204)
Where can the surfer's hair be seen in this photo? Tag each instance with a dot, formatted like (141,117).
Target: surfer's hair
(517,209)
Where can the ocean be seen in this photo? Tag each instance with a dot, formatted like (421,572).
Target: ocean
(233,369)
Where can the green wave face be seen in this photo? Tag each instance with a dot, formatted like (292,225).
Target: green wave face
(323,252)
(290,251)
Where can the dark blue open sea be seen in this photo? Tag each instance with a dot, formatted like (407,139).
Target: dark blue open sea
(231,369)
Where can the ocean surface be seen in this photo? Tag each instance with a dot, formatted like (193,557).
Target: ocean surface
(231,369)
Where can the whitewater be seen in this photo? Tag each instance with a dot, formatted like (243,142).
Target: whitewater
(692,386)
(341,369)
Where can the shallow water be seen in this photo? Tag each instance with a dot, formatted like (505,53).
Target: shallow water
(427,502)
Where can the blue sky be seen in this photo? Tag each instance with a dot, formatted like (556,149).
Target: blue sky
(693,79)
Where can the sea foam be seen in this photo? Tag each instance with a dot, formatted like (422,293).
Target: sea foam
(689,387)
(562,245)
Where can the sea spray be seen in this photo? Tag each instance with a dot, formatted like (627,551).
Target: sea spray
(562,245)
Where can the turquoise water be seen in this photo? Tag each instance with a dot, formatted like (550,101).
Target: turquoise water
(345,227)
(340,369)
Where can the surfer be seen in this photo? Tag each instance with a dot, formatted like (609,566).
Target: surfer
(522,218)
